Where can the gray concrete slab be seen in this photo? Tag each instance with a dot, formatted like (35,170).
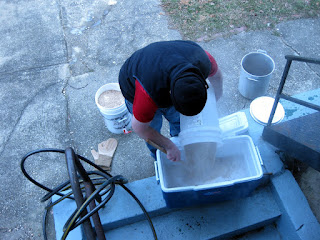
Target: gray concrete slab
(35,117)
(301,36)
(32,35)
(101,35)
(54,55)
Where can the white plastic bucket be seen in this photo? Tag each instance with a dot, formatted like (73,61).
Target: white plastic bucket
(203,127)
(199,137)
(256,70)
(117,119)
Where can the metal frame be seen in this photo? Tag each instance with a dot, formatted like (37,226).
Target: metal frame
(279,94)
(74,168)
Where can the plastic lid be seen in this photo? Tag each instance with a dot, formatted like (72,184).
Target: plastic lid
(261,107)
(234,124)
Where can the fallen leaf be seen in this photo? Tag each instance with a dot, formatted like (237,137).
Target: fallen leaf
(201,39)
(202,18)
(238,30)
(185,2)
(217,35)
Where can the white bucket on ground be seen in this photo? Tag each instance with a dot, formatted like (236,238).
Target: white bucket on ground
(199,136)
(255,75)
(117,119)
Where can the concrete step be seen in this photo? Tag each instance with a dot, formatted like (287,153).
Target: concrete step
(122,218)
(220,220)
(268,232)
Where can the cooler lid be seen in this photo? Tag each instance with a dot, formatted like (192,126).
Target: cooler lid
(234,124)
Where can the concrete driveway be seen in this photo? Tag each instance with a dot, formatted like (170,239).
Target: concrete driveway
(55,54)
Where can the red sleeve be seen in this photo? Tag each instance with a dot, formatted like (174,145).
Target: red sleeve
(144,107)
(214,65)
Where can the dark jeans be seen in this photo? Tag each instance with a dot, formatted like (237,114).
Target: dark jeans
(170,114)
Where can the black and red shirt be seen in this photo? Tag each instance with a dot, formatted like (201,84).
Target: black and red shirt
(146,77)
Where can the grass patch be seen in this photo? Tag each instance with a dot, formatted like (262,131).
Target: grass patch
(202,20)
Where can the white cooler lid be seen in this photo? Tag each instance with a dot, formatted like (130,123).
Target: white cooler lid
(234,124)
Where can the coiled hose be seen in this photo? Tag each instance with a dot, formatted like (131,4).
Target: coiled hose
(88,180)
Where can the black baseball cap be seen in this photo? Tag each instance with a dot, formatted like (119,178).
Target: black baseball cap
(189,93)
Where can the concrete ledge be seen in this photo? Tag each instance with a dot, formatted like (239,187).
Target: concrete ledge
(210,222)
(123,218)
(297,221)
(122,209)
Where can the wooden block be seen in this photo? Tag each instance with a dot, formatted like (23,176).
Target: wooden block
(94,154)
(108,147)
(106,168)
(103,157)
(104,161)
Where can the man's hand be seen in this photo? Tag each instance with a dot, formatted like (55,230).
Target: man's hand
(147,132)
(173,153)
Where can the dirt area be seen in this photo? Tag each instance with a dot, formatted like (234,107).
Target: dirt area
(309,183)
(204,20)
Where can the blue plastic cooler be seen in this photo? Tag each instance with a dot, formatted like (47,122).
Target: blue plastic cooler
(237,169)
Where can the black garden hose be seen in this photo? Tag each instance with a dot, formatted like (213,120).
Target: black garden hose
(102,189)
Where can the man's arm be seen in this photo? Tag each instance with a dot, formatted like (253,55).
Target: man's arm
(146,132)
(216,81)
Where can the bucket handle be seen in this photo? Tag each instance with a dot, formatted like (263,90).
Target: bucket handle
(252,79)
(261,51)
(122,119)
(259,155)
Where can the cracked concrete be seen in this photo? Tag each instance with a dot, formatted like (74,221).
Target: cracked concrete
(54,55)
